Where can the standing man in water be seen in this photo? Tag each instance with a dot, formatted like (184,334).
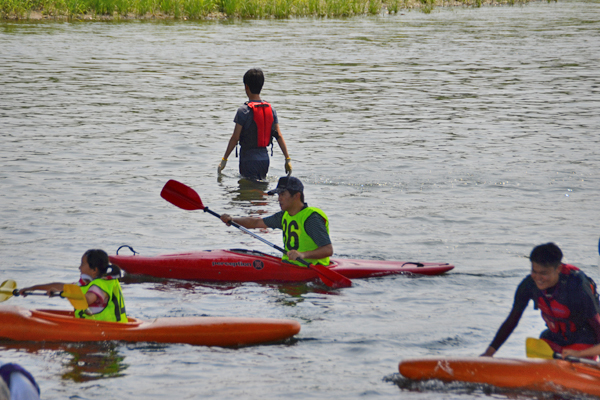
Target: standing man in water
(566,297)
(305,229)
(256,125)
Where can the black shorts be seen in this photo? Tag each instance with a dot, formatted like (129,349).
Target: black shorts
(254,164)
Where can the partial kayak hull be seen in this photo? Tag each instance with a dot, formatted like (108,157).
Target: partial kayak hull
(61,326)
(253,266)
(556,376)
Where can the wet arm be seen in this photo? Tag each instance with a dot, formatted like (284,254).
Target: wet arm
(320,252)
(246,222)
(48,287)
(233,141)
(504,332)
(281,142)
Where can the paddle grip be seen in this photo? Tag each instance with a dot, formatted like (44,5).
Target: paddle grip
(17,294)
(580,360)
(558,356)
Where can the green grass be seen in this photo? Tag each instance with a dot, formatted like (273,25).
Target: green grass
(199,9)
(427,6)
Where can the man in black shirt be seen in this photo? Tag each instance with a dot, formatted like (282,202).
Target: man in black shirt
(566,297)
(305,229)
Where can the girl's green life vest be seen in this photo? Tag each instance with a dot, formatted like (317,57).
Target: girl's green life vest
(296,238)
(114,310)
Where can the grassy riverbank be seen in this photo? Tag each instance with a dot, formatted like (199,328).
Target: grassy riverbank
(216,9)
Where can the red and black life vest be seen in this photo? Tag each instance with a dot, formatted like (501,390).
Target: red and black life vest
(555,312)
(263,117)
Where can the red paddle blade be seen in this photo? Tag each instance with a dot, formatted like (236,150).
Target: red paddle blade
(181,196)
(331,278)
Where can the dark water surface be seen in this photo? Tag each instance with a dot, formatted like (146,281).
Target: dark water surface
(464,136)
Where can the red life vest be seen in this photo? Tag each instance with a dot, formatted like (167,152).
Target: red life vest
(263,117)
(567,268)
(555,314)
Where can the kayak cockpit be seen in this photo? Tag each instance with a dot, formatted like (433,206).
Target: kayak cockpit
(256,253)
(61,316)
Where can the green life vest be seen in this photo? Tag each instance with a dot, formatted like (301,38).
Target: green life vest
(296,238)
(115,309)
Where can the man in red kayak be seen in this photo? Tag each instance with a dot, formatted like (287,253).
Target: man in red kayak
(256,125)
(305,229)
(566,297)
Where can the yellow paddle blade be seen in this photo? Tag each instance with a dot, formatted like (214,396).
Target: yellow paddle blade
(537,348)
(6,289)
(74,294)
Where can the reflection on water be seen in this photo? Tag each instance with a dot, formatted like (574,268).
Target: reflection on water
(297,291)
(95,361)
(83,362)
(294,290)
(251,191)
(288,294)
(475,389)
(248,194)
(170,285)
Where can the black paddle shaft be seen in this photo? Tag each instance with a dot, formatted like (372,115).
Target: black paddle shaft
(16,293)
(576,359)
(206,209)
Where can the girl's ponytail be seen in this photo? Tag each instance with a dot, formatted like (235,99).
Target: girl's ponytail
(98,259)
(115,271)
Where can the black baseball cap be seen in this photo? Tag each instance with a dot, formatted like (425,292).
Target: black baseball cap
(287,183)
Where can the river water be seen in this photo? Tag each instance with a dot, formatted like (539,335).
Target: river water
(465,136)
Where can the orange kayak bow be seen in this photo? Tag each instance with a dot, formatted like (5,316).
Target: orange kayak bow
(554,376)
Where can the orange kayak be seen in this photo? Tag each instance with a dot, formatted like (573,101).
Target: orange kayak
(557,376)
(50,325)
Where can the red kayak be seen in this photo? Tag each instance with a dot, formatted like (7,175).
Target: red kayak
(239,265)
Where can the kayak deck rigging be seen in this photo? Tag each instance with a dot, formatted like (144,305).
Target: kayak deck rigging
(242,265)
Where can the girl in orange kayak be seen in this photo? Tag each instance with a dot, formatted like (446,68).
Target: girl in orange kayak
(99,285)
